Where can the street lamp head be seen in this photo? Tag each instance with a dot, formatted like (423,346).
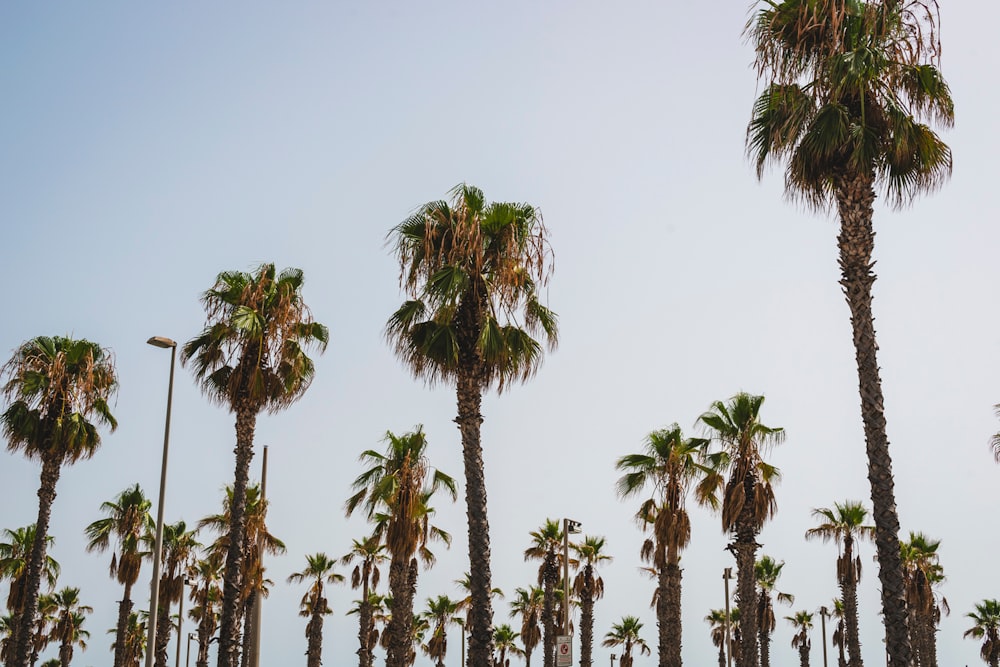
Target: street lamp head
(160,341)
(572,526)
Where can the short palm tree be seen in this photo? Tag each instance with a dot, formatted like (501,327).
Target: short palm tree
(44,633)
(472,270)
(546,546)
(669,465)
(15,553)
(986,626)
(718,621)
(134,639)
(251,357)
(839,636)
(179,548)
(505,642)
(528,604)
(747,495)
(845,525)
(802,622)
(766,572)
(319,570)
(922,574)
(67,629)
(395,492)
(54,387)
(440,613)
(368,554)
(849,87)
(377,606)
(127,519)
(626,635)
(206,574)
(588,587)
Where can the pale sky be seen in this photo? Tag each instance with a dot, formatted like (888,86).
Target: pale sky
(147,147)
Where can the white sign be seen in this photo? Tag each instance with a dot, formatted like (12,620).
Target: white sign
(564,651)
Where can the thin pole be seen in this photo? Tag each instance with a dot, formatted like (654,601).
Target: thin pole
(154,586)
(257,600)
(726,576)
(823,611)
(187,661)
(566,523)
(180,623)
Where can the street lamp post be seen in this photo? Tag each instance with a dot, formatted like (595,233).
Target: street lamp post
(823,612)
(154,587)
(726,576)
(569,526)
(187,661)
(613,656)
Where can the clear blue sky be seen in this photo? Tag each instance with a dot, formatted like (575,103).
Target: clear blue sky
(146,147)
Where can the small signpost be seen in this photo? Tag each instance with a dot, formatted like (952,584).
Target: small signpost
(564,651)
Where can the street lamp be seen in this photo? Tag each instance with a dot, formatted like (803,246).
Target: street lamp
(727,574)
(187,661)
(823,613)
(154,586)
(613,656)
(569,526)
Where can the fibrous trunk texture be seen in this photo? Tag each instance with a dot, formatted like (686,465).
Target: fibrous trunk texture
(549,576)
(364,629)
(124,609)
(587,623)
(229,623)
(403,586)
(849,594)
(314,635)
(745,548)
(26,623)
(855,195)
(804,655)
(668,614)
(163,625)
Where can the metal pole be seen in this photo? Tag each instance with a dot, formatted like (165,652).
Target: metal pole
(154,587)
(180,622)
(726,576)
(566,523)
(613,656)
(258,598)
(823,611)
(187,662)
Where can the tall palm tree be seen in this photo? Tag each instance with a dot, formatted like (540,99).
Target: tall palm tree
(626,635)
(845,525)
(68,630)
(127,519)
(748,494)
(546,546)
(766,572)
(53,387)
(589,587)
(15,554)
(251,357)
(922,574)
(670,464)
(504,642)
(319,570)
(528,604)
(206,573)
(802,622)
(440,612)
(986,626)
(256,537)
(369,554)
(178,550)
(472,270)
(395,492)
(848,88)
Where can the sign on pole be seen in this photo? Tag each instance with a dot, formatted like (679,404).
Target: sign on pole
(564,651)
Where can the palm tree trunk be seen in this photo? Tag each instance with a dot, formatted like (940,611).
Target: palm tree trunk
(668,615)
(763,629)
(550,573)
(229,627)
(124,609)
(469,419)
(722,654)
(364,628)
(162,638)
(249,638)
(403,586)
(314,632)
(804,655)
(855,194)
(586,625)
(46,496)
(849,594)
(65,654)
(745,548)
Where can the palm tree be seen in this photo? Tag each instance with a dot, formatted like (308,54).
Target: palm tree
(134,639)
(546,546)
(127,519)
(766,572)
(844,524)
(206,573)
(717,621)
(748,498)
(528,604)
(44,633)
(589,587)
(440,613)
(395,492)
(839,636)
(626,635)
(377,606)
(67,630)
(15,553)
(178,551)
(848,86)
(922,573)
(54,386)
(802,622)
(319,569)
(472,270)
(669,464)
(465,604)
(369,553)
(986,620)
(251,357)
(505,641)
(256,536)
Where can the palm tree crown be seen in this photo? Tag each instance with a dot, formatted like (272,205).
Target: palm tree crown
(986,626)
